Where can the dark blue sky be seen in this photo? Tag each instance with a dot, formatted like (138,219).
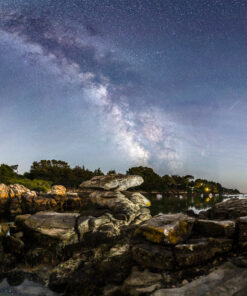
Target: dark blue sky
(113,84)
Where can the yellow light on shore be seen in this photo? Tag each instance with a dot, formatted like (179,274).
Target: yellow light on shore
(207,189)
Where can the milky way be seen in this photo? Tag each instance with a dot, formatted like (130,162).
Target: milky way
(113,84)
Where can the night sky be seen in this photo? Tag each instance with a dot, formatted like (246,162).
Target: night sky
(120,83)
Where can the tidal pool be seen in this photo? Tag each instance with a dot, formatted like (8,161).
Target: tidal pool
(11,287)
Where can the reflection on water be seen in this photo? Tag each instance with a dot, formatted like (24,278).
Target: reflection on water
(167,203)
(23,287)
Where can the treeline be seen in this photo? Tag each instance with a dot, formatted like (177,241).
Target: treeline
(45,173)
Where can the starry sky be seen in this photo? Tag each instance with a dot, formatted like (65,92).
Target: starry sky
(120,83)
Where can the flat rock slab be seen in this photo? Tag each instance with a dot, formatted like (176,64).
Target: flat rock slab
(58,226)
(227,280)
(166,229)
(214,228)
(113,182)
(197,251)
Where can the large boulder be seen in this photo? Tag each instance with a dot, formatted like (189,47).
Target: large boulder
(113,182)
(168,229)
(58,190)
(114,201)
(228,210)
(18,189)
(48,229)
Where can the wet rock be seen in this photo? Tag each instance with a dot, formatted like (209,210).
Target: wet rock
(214,228)
(152,255)
(140,282)
(226,280)
(166,229)
(113,182)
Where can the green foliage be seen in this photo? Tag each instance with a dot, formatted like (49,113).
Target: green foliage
(37,185)
(175,183)
(9,176)
(45,173)
(59,172)
(152,181)
(6,172)
(111,172)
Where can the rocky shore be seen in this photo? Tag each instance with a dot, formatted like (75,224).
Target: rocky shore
(108,244)
(16,199)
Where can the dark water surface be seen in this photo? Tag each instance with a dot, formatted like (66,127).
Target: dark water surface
(164,203)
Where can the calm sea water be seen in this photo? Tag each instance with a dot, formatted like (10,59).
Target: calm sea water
(163,203)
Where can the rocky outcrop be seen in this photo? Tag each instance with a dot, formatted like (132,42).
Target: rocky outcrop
(114,247)
(228,210)
(16,200)
(93,243)
(169,242)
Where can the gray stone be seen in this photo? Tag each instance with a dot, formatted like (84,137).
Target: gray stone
(138,198)
(45,226)
(113,182)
